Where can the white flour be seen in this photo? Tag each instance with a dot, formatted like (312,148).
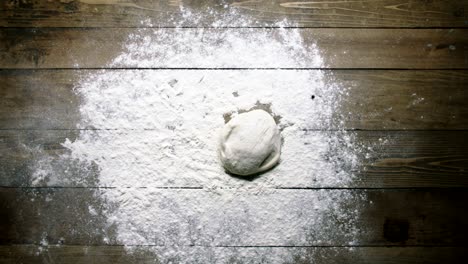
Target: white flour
(164,126)
(157,128)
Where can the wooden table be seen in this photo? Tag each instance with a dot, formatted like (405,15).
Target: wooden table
(390,48)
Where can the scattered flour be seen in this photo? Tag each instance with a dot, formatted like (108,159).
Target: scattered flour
(152,136)
(162,126)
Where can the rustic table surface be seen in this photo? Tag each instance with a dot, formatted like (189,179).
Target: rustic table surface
(390,50)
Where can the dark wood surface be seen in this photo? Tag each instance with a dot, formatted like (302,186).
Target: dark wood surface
(444,92)
(166,13)
(302,255)
(390,217)
(410,193)
(371,48)
(408,159)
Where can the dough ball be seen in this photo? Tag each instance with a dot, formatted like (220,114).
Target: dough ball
(250,143)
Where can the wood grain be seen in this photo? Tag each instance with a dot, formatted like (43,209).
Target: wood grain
(341,48)
(35,100)
(135,255)
(406,71)
(375,100)
(386,159)
(237,217)
(166,13)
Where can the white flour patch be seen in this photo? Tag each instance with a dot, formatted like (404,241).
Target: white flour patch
(152,129)
(218,48)
(164,127)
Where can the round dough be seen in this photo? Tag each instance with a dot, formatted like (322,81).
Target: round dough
(250,143)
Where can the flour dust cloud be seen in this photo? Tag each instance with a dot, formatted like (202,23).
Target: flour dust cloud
(150,136)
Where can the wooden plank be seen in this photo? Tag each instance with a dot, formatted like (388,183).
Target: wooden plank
(384,159)
(340,48)
(166,13)
(34,100)
(119,255)
(239,217)
(394,99)
(24,153)
(404,99)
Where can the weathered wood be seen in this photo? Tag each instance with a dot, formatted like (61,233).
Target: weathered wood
(166,13)
(26,153)
(294,217)
(380,99)
(386,159)
(119,255)
(340,48)
(404,99)
(38,100)
(430,221)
